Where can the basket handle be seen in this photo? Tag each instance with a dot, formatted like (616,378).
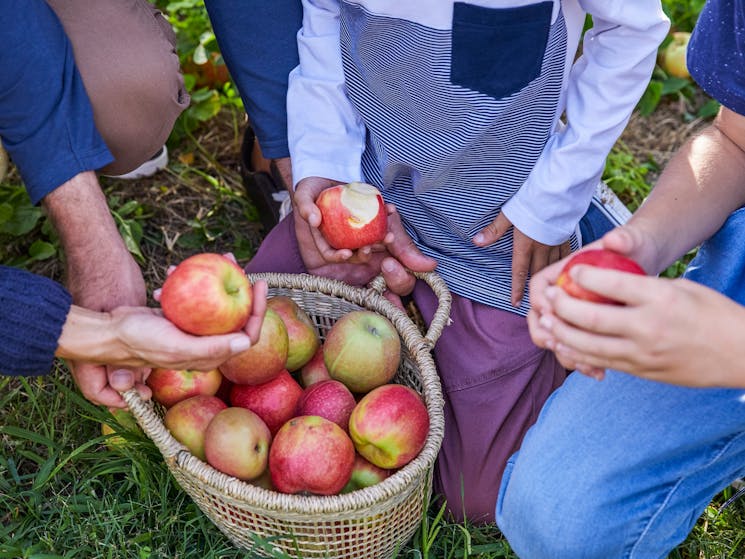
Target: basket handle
(441,318)
(152,424)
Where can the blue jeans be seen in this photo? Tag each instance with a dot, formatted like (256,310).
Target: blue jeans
(623,468)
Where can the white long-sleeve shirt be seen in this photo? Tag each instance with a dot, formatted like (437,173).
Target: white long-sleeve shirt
(458,111)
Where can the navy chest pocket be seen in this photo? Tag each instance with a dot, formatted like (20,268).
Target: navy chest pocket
(498,51)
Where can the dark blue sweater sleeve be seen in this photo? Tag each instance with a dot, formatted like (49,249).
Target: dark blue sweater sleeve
(33,310)
(716,52)
(46,119)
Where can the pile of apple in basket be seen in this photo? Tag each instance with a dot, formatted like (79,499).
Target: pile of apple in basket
(294,413)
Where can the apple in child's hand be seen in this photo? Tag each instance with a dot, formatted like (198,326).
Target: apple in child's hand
(311,454)
(365,474)
(362,350)
(188,419)
(207,294)
(314,370)
(602,258)
(352,215)
(389,425)
(301,332)
(237,443)
(274,401)
(673,57)
(170,386)
(265,359)
(330,399)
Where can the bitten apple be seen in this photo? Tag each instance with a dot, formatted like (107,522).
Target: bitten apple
(207,294)
(188,420)
(352,215)
(302,335)
(674,56)
(237,443)
(265,359)
(601,258)
(362,350)
(311,454)
(389,425)
(365,474)
(314,370)
(274,401)
(170,386)
(330,399)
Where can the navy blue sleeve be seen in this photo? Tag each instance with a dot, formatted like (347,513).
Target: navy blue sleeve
(46,120)
(33,310)
(716,52)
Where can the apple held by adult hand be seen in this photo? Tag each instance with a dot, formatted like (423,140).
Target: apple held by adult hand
(274,401)
(389,425)
(188,420)
(302,335)
(673,57)
(602,258)
(237,443)
(170,386)
(352,215)
(207,294)
(265,359)
(362,350)
(329,399)
(311,454)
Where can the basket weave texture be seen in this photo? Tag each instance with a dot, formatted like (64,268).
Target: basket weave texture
(370,523)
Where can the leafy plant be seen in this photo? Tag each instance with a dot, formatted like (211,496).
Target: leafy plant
(21,221)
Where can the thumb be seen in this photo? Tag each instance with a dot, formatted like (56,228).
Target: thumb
(239,344)
(619,240)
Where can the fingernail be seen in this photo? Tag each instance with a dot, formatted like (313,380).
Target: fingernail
(388,266)
(550,292)
(122,379)
(240,344)
(479,238)
(546,321)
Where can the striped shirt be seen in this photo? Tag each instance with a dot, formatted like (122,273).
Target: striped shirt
(453,111)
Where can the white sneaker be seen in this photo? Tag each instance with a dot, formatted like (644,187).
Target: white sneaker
(156,163)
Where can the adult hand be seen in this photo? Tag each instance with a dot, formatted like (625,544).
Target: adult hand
(528,255)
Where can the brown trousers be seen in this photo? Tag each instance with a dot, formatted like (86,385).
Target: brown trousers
(126,55)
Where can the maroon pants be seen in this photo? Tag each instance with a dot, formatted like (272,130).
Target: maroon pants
(494,380)
(125,51)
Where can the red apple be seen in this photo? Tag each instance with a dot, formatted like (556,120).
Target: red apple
(274,401)
(207,294)
(364,474)
(352,215)
(311,454)
(264,360)
(314,370)
(601,258)
(362,350)
(302,335)
(188,420)
(237,443)
(330,399)
(170,386)
(673,57)
(389,425)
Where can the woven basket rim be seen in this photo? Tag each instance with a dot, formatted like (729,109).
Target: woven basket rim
(419,347)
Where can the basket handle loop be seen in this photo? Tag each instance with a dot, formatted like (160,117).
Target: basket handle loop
(151,424)
(441,317)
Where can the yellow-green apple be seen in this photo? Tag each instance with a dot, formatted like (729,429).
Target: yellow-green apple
(237,443)
(352,215)
(673,57)
(302,335)
(126,422)
(311,454)
(274,401)
(330,399)
(362,350)
(265,359)
(602,258)
(207,294)
(314,370)
(365,474)
(170,386)
(188,419)
(389,425)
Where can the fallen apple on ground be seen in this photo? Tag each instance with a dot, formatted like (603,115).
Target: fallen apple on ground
(302,335)
(237,443)
(207,294)
(170,386)
(362,350)
(128,423)
(352,215)
(274,401)
(188,420)
(674,56)
(602,258)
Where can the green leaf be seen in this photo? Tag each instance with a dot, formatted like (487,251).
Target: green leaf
(673,85)
(128,208)
(200,54)
(6,212)
(709,109)
(130,239)
(651,98)
(24,219)
(41,250)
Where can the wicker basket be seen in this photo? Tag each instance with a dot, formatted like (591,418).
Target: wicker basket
(374,522)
